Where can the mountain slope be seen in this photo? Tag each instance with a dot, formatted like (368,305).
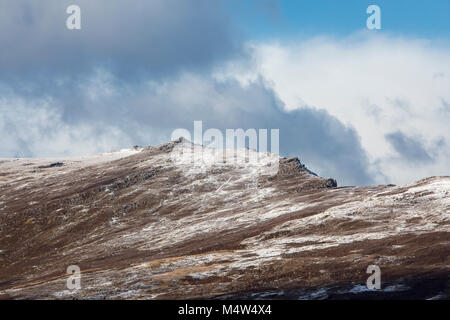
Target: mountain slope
(140,225)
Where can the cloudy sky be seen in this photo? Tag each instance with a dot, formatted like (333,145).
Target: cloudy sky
(363,106)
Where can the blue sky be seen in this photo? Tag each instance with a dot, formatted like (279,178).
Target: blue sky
(293,18)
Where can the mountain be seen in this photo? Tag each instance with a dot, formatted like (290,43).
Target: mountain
(141,225)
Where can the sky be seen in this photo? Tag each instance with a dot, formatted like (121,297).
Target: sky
(290,19)
(362,106)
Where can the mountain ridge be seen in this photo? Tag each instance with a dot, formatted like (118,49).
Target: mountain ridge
(140,226)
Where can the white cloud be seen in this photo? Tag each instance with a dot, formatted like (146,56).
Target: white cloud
(34,127)
(377,84)
(394,92)
(102,114)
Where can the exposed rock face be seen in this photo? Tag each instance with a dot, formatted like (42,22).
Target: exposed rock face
(139,226)
(331,183)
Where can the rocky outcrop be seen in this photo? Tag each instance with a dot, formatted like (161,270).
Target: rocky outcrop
(331,183)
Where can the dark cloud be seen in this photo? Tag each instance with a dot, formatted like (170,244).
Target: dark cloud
(408,147)
(322,140)
(136,71)
(133,38)
(148,114)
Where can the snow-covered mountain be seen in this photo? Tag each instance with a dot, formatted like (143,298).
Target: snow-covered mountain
(139,225)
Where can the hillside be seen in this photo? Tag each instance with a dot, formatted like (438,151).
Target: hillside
(143,227)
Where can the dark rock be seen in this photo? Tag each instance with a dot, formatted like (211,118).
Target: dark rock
(331,183)
(52,165)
